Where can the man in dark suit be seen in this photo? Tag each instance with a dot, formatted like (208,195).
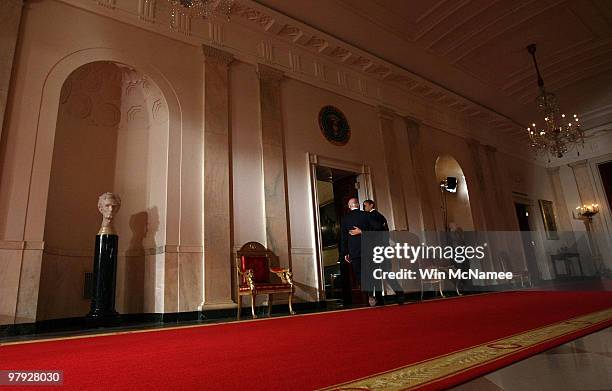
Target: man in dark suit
(378,222)
(350,246)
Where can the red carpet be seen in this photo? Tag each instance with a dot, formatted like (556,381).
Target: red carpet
(306,352)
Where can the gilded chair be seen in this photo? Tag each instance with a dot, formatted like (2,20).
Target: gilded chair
(254,276)
(435,281)
(521,276)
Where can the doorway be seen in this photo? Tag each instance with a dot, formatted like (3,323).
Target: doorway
(605,171)
(334,188)
(522,215)
(333,183)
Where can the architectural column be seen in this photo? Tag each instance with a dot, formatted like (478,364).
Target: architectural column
(565,223)
(481,209)
(217,180)
(10,16)
(423,206)
(273,158)
(19,260)
(588,196)
(396,190)
(586,187)
(501,192)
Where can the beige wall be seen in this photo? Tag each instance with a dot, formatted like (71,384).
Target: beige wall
(44,59)
(301,104)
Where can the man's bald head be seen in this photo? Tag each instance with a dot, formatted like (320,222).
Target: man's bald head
(353,203)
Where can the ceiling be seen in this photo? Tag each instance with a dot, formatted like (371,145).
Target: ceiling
(476,48)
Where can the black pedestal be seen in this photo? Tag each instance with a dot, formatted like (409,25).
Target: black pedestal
(104,276)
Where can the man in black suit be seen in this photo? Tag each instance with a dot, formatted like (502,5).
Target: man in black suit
(350,246)
(378,222)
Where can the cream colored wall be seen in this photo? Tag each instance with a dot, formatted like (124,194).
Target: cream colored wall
(247,176)
(56,39)
(300,108)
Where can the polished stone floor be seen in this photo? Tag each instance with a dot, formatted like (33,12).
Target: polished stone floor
(583,364)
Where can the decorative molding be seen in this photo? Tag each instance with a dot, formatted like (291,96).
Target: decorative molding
(21,245)
(108,3)
(357,168)
(215,31)
(385,113)
(181,22)
(146,10)
(269,74)
(266,51)
(302,250)
(579,163)
(319,70)
(217,56)
(88,253)
(342,79)
(295,62)
(272,35)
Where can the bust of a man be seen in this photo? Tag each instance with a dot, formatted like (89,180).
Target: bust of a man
(108,205)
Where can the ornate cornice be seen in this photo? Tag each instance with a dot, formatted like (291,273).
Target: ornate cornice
(321,44)
(306,54)
(216,55)
(579,163)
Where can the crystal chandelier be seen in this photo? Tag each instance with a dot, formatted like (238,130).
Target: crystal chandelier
(560,133)
(202,8)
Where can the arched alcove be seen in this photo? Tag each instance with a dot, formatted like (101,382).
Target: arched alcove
(457,203)
(111,135)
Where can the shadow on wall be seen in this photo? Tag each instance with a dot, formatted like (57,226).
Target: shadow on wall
(143,226)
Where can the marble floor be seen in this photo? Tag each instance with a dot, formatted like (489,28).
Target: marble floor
(583,364)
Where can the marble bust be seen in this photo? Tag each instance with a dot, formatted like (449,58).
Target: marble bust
(108,204)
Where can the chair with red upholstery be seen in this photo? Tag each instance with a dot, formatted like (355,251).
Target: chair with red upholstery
(254,276)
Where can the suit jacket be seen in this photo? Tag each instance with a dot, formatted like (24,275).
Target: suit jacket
(378,221)
(351,245)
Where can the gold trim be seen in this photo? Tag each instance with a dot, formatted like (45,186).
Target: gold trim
(107,231)
(435,369)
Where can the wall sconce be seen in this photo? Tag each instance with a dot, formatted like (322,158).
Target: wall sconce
(586,212)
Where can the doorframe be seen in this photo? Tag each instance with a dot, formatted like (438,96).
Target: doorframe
(536,228)
(364,177)
(601,198)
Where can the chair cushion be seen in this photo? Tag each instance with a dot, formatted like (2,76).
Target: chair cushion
(259,265)
(266,287)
